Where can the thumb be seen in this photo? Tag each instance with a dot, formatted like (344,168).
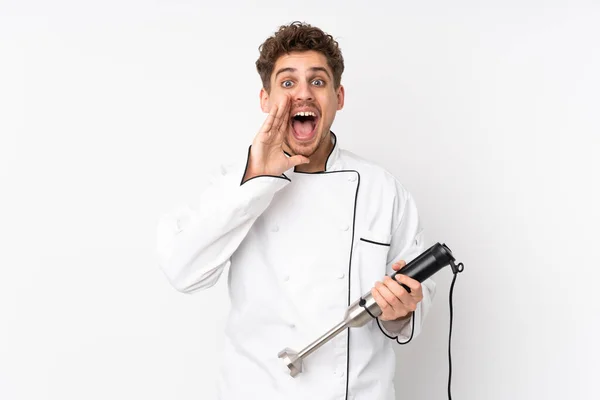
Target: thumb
(297,160)
(399,265)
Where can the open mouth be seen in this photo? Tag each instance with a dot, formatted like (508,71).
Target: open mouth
(304,125)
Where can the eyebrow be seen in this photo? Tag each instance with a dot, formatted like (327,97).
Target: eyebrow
(312,69)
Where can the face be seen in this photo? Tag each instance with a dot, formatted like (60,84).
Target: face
(306,79)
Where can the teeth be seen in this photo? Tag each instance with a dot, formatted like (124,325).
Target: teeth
(305,114)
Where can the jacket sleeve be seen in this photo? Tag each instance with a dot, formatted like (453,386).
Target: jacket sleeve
(406,244)
(194,243)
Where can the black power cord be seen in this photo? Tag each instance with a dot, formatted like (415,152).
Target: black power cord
(457,269)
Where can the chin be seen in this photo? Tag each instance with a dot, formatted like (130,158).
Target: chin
(304,148)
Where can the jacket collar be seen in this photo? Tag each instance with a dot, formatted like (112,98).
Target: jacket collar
(334,155)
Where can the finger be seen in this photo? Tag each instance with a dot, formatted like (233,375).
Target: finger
(380,300)
(286,107)
(277,119)
(281,106)
(400,293)
(399,265)
(391,298)
(414,285)
(297,160)
(266,126)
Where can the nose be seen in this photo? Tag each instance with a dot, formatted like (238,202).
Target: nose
(303,92)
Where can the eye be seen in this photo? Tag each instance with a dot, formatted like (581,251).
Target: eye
(318,82)
(287,84)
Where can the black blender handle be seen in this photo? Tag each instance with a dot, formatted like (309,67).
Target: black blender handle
(427,263)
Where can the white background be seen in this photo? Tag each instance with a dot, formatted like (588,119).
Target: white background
(113,112)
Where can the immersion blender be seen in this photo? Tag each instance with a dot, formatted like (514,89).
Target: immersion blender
(362,310)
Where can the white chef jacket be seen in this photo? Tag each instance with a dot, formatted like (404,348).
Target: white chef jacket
(301,247)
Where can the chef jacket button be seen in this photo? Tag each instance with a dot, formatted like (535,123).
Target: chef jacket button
(292,326)
(341,275)
(352,178)
(286,278)
(345,227)
(275,228)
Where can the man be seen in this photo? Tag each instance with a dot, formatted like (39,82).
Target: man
(306,228)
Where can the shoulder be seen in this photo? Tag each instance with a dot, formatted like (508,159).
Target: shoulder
(373,174)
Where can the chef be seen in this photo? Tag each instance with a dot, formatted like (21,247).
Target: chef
(303,228)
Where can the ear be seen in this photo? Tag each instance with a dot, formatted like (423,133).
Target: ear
(341,93)
(264,101)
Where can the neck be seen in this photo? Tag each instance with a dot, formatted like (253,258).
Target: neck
(319,158)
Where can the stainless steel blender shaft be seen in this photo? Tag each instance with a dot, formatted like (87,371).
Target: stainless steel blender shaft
(356,316)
